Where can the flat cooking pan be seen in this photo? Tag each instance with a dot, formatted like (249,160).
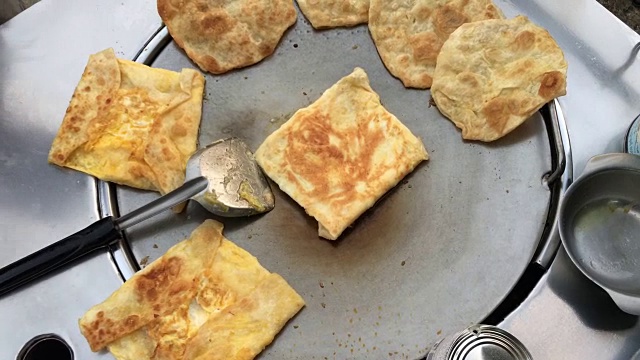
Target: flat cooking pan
(438,253)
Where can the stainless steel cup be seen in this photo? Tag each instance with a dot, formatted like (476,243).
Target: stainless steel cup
(600,226)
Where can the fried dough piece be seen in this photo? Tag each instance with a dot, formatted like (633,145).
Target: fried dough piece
(324,14)
(233,274)
(241,331)
(226,277)
(157,290)
(409,33)
(493,75)
(223,35)
(339,155)
(131,124)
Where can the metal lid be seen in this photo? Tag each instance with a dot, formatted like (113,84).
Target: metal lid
(632,139)
(480,342)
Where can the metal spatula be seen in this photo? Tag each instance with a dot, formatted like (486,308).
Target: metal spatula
(223,177)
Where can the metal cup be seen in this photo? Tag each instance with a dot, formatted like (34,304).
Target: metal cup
(600,226)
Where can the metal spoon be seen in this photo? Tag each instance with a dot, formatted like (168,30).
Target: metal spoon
(223,177)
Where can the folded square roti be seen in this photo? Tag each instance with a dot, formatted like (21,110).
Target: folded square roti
(233,281)
(157,290)
(131,124)
(339,155)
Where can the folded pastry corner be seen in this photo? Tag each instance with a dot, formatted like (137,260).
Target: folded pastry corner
(130,123)
(339,155)
(206,298)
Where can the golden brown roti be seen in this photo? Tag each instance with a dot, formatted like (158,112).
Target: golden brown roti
(242,330)
(157,290)
(339,155)
(233,274)
(131,124)
(220,35)
(493,75)
(162,310)
(410,33)
(334,13)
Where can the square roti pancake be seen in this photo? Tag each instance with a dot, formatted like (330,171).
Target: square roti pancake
(339,155)
(131,124)
(222,304)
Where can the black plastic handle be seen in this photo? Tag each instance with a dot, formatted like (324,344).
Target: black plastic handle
(95,236)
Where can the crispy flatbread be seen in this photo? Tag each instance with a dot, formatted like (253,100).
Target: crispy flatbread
(131,124)
(200,278)
(338,156)
(233,274)
(493,75)
(409,33)
(224,35)
(157,290)
(334,13)
(242,330)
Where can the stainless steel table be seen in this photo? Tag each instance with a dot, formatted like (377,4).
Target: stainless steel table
(43,52)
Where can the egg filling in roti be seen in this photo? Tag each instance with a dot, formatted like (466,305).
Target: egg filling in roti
(206,298)
(338,156)
(131,124)
(493,75)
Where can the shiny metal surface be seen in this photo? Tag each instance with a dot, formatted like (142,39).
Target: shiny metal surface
(223,177)
(557,122)
(600,226)
(237,187)
(479,342)
(566,316)
(548,247)
(470,205)
(632,140)
(43,52)
(189,189)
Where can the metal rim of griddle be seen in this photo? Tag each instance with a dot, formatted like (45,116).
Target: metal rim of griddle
(557,181)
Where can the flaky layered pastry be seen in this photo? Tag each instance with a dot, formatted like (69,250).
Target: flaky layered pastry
(334,13)
(231,309)
(131,124)
(224,35)
(338,156)
(155,291)
(493,75)
(409,33)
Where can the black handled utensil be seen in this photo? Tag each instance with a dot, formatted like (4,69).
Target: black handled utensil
(223,177)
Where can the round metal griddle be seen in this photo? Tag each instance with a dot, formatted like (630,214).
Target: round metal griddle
(438,253)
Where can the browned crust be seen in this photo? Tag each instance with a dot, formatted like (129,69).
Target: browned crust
(219,37)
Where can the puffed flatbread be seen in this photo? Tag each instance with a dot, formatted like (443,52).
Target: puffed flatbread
(131,124)
(157,290)
(334,13)
(339,155)
(409,33)
(493,75)
(223,35)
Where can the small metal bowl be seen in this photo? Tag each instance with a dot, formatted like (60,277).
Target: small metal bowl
(600,226)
